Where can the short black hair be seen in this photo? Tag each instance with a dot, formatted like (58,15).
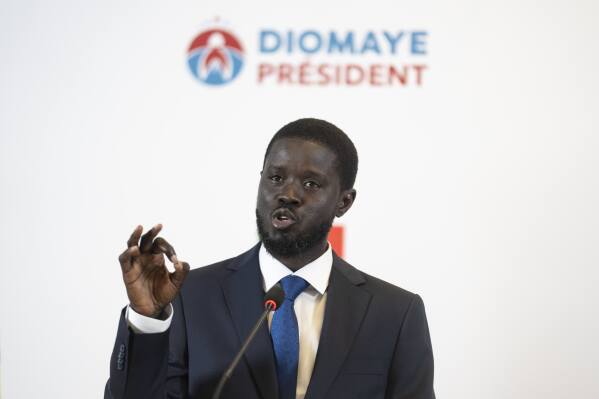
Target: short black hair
(329,135)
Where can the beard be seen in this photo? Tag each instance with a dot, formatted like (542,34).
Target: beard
(289,244)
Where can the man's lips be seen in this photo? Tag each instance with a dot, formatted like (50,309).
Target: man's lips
(282,218)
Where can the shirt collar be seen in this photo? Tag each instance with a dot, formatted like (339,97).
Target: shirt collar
(316,273)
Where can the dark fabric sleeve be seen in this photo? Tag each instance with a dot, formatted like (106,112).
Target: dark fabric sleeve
(149,366)
(412,368)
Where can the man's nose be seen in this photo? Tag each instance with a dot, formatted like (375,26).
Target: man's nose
(289,195)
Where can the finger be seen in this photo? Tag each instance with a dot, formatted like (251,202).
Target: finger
(125,259)
(181,270)
(146,239)
(161,246)
(134,239)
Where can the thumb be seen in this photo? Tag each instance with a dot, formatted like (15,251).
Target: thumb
(181,270)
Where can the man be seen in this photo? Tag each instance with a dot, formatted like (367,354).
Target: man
(340,333)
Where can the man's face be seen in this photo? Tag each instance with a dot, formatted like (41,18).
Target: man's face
(298,196)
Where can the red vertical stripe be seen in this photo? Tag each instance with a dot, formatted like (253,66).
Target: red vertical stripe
(336,240)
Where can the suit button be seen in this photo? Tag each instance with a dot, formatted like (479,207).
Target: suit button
(120,358)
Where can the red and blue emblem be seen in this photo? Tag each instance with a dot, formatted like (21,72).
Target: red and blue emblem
(215,57)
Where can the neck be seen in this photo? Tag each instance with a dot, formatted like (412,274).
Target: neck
(296,262)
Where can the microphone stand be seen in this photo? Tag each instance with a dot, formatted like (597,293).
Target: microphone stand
(270,305)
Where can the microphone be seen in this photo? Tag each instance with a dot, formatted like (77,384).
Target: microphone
(272,301)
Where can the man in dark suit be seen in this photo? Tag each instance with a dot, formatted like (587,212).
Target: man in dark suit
(340,333)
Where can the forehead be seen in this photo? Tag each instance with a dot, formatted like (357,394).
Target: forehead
(299,153)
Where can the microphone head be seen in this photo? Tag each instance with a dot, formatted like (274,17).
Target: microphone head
(274,297)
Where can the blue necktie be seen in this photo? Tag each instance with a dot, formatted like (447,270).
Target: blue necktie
(285,337)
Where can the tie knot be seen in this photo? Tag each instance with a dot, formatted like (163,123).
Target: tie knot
(293,286)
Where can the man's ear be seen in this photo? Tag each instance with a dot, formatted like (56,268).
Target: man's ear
(346,200)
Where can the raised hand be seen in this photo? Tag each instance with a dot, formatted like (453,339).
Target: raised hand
(150,286)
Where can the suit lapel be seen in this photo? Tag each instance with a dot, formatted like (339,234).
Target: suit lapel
(344,311)
(243,290)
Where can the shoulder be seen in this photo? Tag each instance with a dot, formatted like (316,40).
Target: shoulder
(217,272)
(387,295)
(377,286)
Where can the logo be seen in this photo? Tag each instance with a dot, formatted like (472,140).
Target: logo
(215,57)
(384,57)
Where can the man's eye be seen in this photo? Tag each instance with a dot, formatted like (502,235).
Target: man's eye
(276,179)
(311,184)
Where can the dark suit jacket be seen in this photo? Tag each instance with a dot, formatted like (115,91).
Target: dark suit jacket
(374,342)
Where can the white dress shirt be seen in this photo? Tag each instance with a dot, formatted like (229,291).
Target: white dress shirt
(309,309)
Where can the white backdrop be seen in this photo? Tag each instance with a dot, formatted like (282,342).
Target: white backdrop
(477,190)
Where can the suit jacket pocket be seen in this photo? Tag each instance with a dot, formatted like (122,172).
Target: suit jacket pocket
(361,378)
